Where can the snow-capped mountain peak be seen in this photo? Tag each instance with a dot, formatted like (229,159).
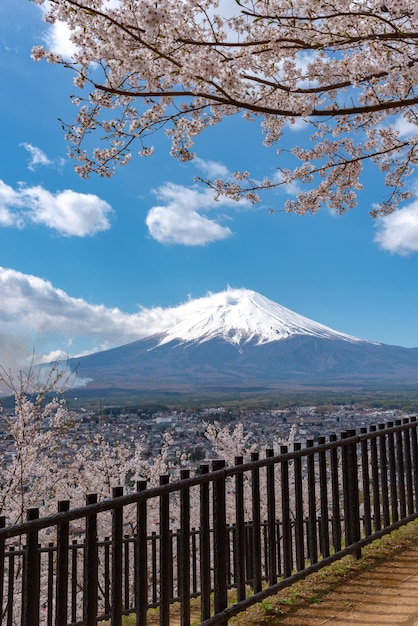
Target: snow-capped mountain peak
(240,316)
(239,340)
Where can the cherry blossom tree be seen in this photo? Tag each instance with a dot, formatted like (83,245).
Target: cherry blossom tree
(47,462)
(344,71)
(36,433)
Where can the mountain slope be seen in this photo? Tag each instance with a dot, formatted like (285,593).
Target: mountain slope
(238,339)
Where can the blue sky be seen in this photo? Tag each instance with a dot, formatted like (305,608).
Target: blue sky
(90,264)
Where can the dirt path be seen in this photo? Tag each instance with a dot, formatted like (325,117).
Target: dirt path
(386,595)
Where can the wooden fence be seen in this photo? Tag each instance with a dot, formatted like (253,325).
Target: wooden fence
(220,540)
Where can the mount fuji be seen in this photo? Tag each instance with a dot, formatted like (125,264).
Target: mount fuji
(240,340)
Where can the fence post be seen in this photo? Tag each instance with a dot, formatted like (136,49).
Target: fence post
(194,533)
(166,563)
(271,520)
(204,547)
(392,474)
(299,532)
(367,523)
(323,489)
(287,534)
(401,463)
(106,584)
(50,584)
(117,530)
(10,585)
(239,548)
(345,487)
(219,540)
(408,469)
(61,598)
(375,480)
(414,451)
(90,566)
(126,541)
(31,575)
(141,561)
(353,494)
(2,553)
(185,551)
(256,518)
(384,476)
(154,571)
(312,531)
(335,490)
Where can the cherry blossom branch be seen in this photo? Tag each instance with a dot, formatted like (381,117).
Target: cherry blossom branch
(349,70)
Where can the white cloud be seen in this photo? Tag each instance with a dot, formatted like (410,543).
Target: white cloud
(8,198)
(43,316)
(398,232)
(34,303)
(405,128)
(58,41)
(180,219)
(53,356)
(57,37)
(292,189)
(213,169)
(169,225)
(36,315)
(68,212)
(37,156)
(296,124)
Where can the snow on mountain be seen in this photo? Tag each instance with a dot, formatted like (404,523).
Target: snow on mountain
(239,316)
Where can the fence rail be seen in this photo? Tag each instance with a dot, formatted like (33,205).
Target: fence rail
(227,536)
